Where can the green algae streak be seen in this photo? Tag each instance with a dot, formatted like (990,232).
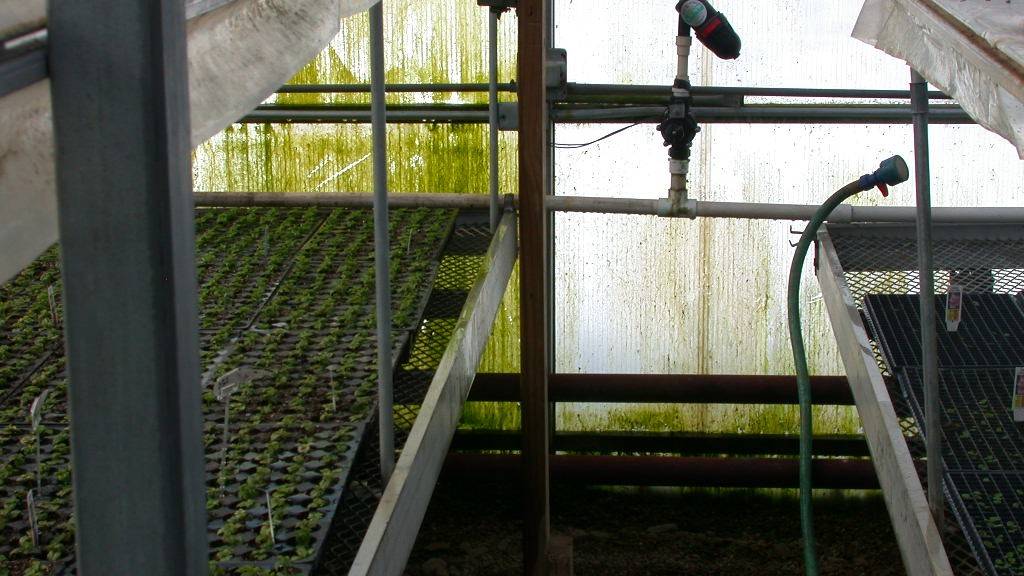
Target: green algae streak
(444,41)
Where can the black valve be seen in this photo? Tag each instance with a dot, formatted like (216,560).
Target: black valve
(679,127)
(679,132)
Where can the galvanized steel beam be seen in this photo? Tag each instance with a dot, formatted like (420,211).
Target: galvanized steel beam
(396,521)
(121,117)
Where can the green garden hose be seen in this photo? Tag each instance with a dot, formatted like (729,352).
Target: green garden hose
(891,171)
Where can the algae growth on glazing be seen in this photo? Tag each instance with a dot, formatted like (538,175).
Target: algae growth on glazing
(633,294)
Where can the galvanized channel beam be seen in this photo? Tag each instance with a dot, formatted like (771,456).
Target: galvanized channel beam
(916,533)
(126,220)
(392,532)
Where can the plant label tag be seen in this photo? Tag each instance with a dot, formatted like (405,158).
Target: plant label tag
(1018,395)
(51,295)
(229,382)
(35,411)
(30,503)
(954,307)
(270,519)
(224,390)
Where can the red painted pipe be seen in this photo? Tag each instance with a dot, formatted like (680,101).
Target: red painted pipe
(669,471)
(668,388)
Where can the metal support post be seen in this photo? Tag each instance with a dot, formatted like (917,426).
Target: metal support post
(492,62)
(381,243)
(121,117)
(933,413)
(533,183)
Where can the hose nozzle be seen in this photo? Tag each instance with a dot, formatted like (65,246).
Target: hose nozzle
(891,171)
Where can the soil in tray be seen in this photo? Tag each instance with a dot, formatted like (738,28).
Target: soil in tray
(475,530)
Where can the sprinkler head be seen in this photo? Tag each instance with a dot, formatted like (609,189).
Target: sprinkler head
(892,171)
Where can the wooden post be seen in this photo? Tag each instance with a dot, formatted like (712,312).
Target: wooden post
(533,185)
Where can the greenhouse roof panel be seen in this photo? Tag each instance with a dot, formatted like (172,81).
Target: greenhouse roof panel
(974,51)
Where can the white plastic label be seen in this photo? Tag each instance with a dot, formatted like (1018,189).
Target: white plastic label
(51,295)
(954,307)
(693,12)
(30,503)
(35,411)
(270,519)
(229,382)
(1018,395)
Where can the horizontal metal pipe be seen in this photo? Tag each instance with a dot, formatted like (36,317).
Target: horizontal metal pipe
(667,388)
(683,443)
(659,90)
(763,211)
(338,200)
(360,116)
(668,471)
(365,88)
(746,114)
(577,89)
(819,114)
(764,113)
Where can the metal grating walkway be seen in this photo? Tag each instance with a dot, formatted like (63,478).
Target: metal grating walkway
(461,265)
(983,448)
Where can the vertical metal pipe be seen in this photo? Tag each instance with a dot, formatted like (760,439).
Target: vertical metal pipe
(932,411)
(492,47)
(124,191)
(382,249)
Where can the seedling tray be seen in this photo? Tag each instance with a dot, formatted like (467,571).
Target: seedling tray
(28,332)
(991,332)
(461,265)
(289,291)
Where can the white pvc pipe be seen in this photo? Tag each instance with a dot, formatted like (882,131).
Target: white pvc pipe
(759,211)
(590,204)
